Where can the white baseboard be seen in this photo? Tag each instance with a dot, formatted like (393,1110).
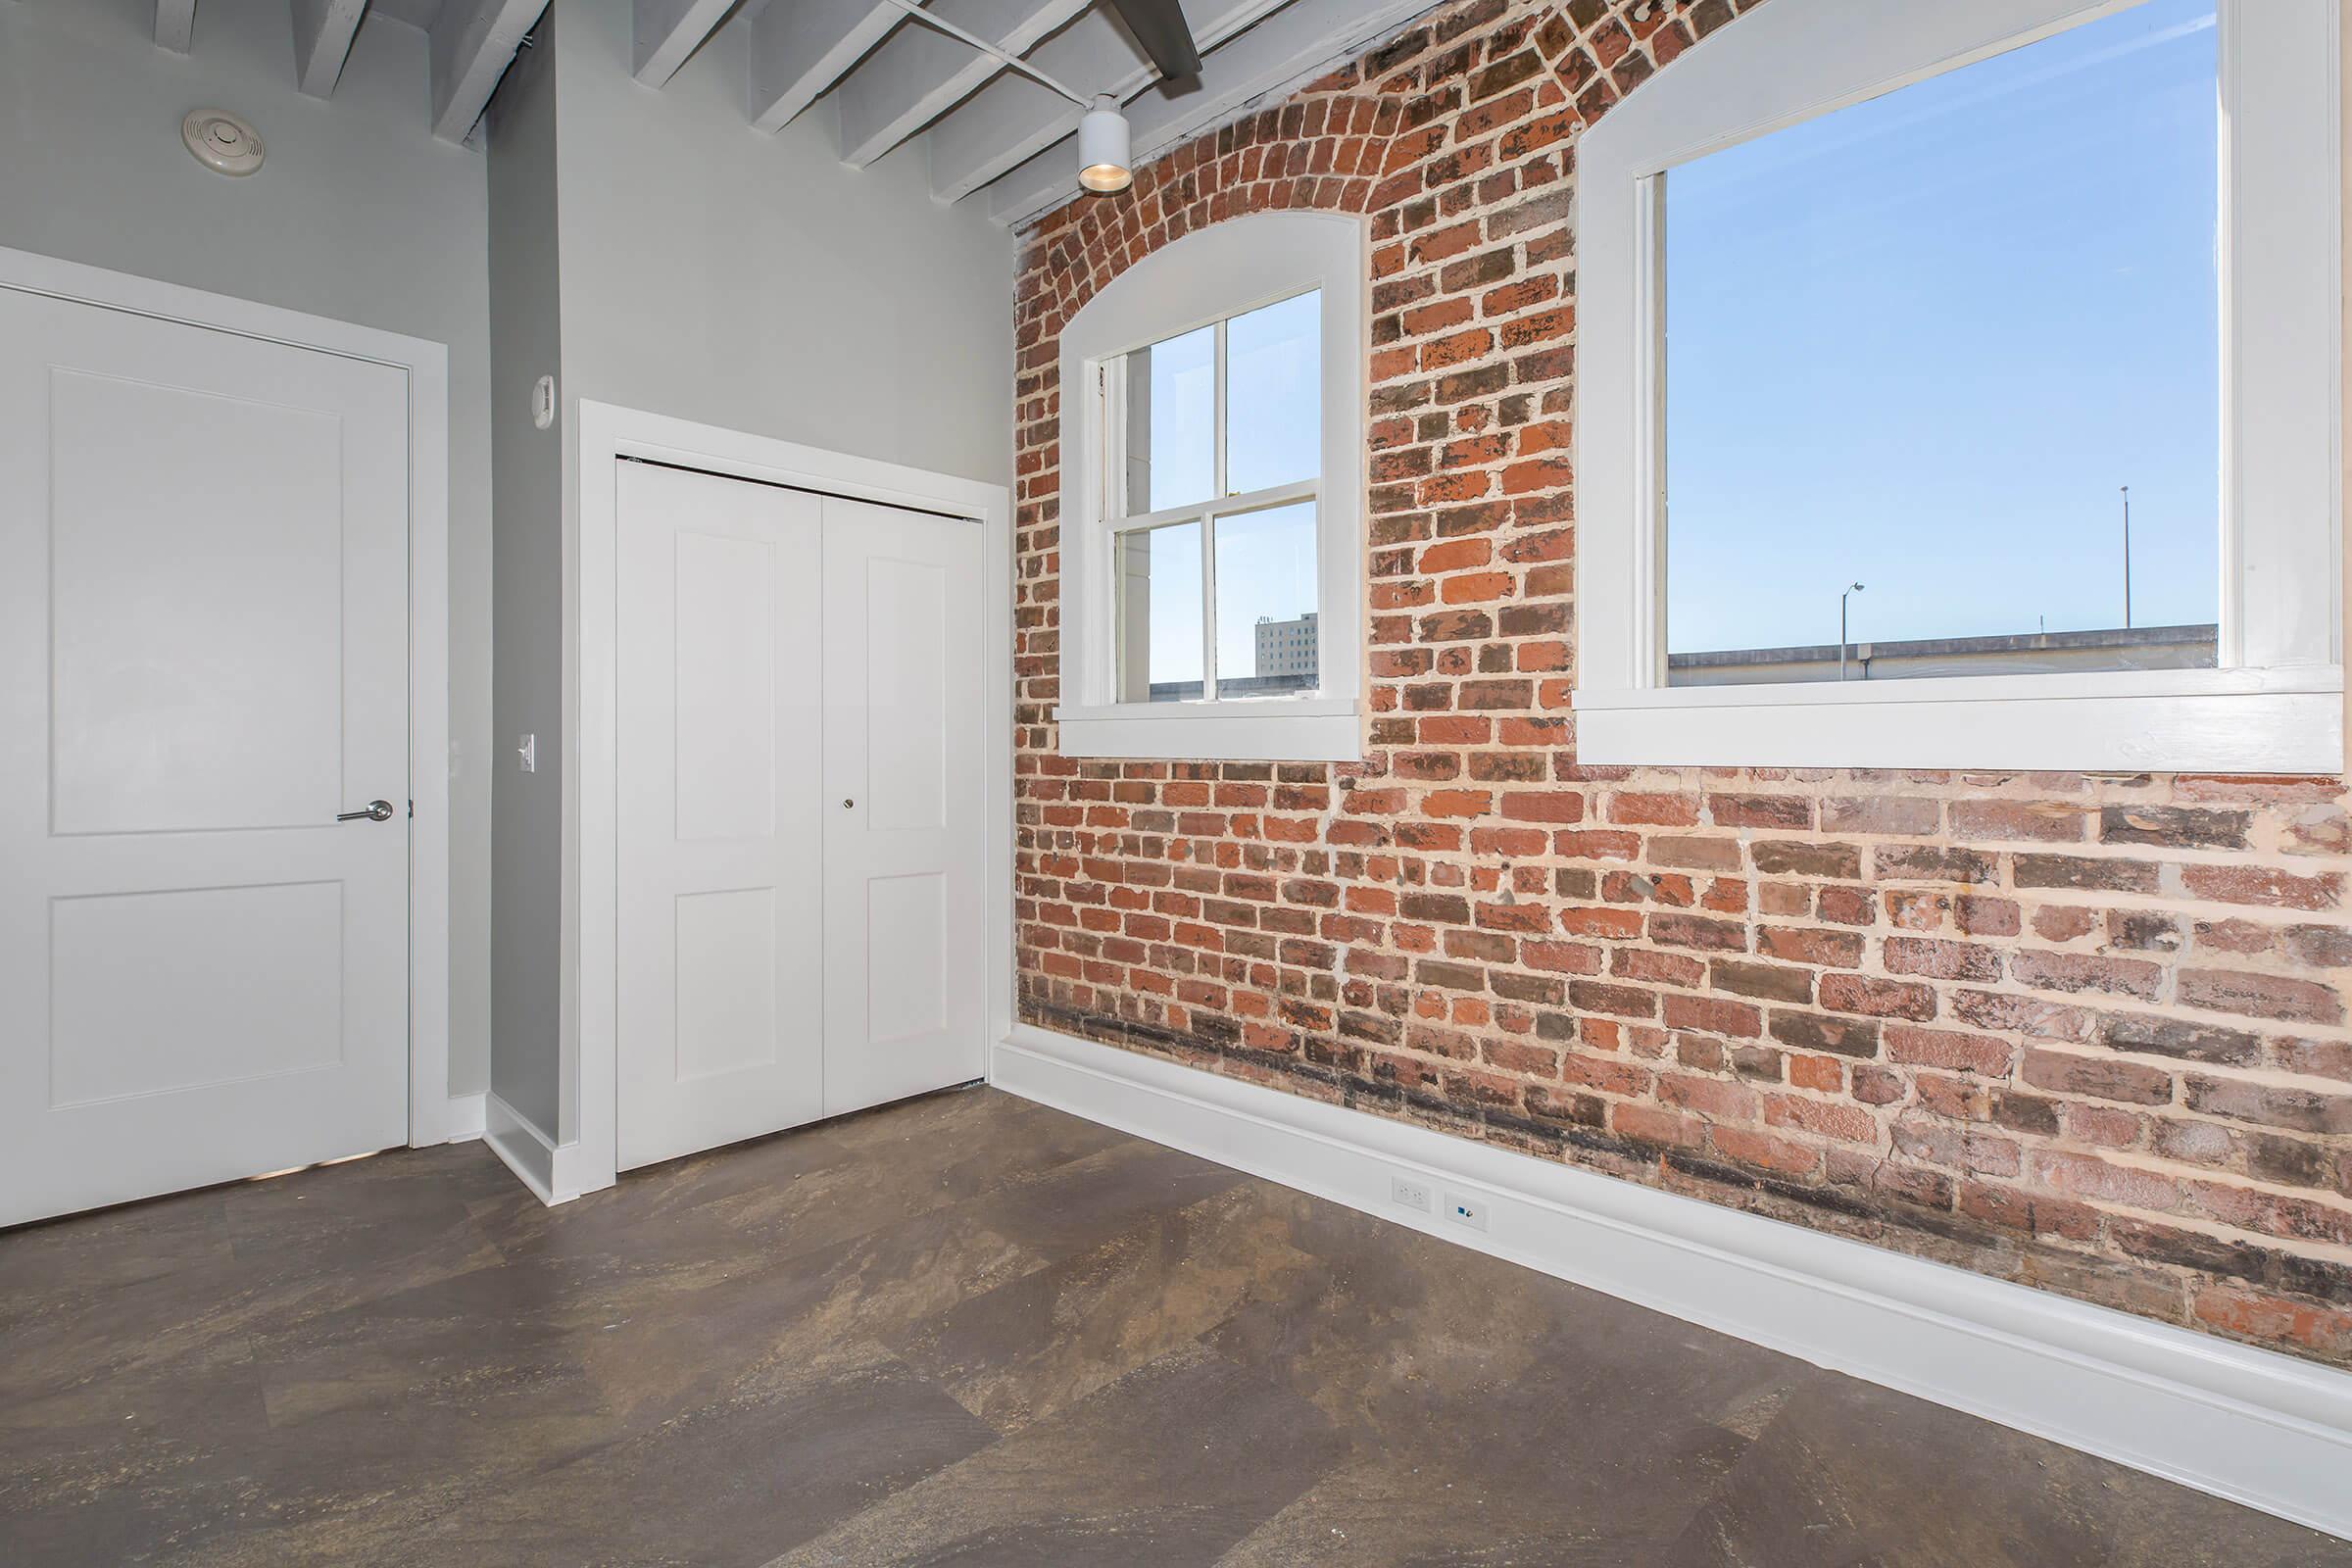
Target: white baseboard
(548,1170)
(2253,1426)
(467,1119)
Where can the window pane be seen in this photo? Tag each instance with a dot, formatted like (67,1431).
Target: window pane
(1171,422)
(1160,613)
(1925,343)
(1274,395)
(1266,601)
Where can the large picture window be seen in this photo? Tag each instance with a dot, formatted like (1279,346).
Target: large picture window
(1213,460)
(1957,388)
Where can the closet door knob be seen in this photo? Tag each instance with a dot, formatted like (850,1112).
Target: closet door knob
(846,805)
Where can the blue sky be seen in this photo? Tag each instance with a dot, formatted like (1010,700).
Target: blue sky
(1920,342)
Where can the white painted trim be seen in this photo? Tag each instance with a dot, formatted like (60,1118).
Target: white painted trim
(426,367)
(591,836)
(2217,732)
(467,1117)
(2255,1427)
(1232,731)
(556,1173)
(1210,275)
(2281,292)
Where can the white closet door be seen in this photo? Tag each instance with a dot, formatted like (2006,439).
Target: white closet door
(721,821)
(904,835)
(203,657)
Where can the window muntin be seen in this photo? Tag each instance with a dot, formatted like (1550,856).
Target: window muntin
(1954,344)
(1216,443)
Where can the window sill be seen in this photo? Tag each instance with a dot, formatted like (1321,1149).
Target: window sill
(1305,729)
(2283,720)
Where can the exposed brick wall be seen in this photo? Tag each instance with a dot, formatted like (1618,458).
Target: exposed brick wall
(2086,1033)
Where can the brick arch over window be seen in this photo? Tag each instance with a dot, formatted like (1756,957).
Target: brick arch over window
(2087,1033)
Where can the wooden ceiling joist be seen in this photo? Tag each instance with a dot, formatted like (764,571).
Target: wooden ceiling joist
(1302,38)
(801,47)
(472,42)
(1013,119)
(921,73)
(176,24)
(669,31)
(322,33)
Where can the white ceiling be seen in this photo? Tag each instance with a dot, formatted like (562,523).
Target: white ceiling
(886,85)
(421,13)
(472,42)
(889,85)
(415,12)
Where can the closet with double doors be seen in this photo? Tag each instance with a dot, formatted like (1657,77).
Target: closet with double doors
(801,842)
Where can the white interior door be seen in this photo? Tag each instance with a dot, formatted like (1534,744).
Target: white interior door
(204,656)
(719,811)
(903,834)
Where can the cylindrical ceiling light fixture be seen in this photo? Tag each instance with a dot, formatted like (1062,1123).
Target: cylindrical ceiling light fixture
(1103,144)
(1103,166)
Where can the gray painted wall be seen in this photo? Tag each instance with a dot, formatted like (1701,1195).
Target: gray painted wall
(707,270)
(718,273)
(525,343)
(715,274)
(358,215)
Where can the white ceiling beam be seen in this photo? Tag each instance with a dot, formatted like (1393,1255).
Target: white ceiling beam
(669,32)
(175,24)
(323,35)
(1302,40)
(472,42)
(798,48)
(1013,119)
(921,73)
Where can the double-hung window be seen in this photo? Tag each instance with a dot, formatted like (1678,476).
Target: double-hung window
(1212,462)
(1958,387)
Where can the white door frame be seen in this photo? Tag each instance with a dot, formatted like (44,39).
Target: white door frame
(431,1117)
(591,784)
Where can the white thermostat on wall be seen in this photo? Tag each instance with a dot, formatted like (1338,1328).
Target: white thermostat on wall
(221,141)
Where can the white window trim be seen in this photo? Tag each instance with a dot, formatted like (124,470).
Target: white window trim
(1209,275)
(2275,704)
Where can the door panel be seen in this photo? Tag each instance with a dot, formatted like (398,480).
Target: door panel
(255,970)
(202,659)
(725,687)
(720,811)
(155,502)
(904,838)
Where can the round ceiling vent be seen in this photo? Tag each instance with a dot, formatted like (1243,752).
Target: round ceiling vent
(221,141)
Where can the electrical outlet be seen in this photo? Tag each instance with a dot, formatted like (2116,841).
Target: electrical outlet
(1411,1194)
(1470,1211)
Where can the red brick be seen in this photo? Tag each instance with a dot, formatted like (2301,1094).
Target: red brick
(1314,927)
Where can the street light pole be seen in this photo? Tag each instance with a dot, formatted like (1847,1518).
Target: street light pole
(2126,558)
(1842,599)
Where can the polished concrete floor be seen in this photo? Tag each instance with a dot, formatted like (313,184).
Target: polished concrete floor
(963,1330)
